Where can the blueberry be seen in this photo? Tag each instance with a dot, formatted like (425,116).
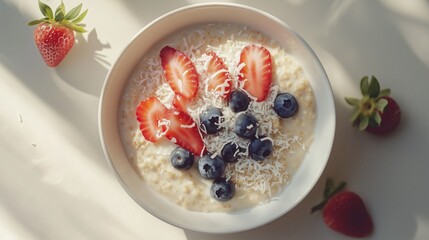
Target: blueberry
(211,119)
(181,158)
(211,168)
(230,152)
(285,105)
(238,101)
(222,189)
(260,148)
(246,125)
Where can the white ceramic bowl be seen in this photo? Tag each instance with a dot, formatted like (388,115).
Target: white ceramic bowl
(304,179)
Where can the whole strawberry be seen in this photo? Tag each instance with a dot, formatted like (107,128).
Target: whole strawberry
(376,112)
(54,34)
(344,211)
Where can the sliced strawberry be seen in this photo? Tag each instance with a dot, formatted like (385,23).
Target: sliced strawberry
(149,113)
(219,78)
(179,72)
(181,103)
(256,74)
(183,131)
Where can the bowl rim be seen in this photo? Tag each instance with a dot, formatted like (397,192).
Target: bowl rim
(121,56)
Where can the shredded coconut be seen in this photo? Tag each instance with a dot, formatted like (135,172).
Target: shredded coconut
(264,178)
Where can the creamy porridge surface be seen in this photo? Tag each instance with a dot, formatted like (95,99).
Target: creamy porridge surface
(255,182)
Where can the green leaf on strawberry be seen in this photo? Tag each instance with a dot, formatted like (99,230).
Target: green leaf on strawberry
(370,111)
(73,13)
(46,10)
(330,190)
(60,9)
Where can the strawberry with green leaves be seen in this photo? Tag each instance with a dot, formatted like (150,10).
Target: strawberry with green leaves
(344,211)
(376,112)
(54,34)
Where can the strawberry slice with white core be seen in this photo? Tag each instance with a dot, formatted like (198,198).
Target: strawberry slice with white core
(181,103)
(150,112)
(256,73)
(183,131)
(219,78)
(179,72)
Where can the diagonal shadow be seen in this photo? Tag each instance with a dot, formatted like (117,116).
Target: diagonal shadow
(353,152)
(41,209)
(86,52)
(20,56)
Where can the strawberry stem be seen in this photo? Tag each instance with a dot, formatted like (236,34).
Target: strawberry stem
(69,19)
(367,111)
(330,190)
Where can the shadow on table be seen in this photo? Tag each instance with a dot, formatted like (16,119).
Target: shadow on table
(146,12)
(84,70)
(33,208)
(85,67)
(30,203)
(348,36)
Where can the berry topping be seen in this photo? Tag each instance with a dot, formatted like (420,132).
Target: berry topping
(285,105)
(376,112)
(181,103)
(344,211)
(222,189)
(219,78)
(181,158)
(149,113)
(238,101)
(260,148)
(183,131)
(211,120)
(54,36)
(211,168)
(256,74)
(231,152)
(179,72)
(246,125)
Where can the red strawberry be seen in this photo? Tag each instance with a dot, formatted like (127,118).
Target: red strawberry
(181,103)
(54,36)
(220,80)
(149,114)
(344,211)
(179,72)
(256,73)
(183,131)
(376,112)
(390,118)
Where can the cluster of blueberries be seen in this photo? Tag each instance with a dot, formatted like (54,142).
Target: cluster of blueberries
(213,167)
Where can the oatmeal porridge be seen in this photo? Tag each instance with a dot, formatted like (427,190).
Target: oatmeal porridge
(256,177)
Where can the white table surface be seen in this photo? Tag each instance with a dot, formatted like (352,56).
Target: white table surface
(55,182)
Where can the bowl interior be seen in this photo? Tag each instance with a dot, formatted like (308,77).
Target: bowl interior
(310,169)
